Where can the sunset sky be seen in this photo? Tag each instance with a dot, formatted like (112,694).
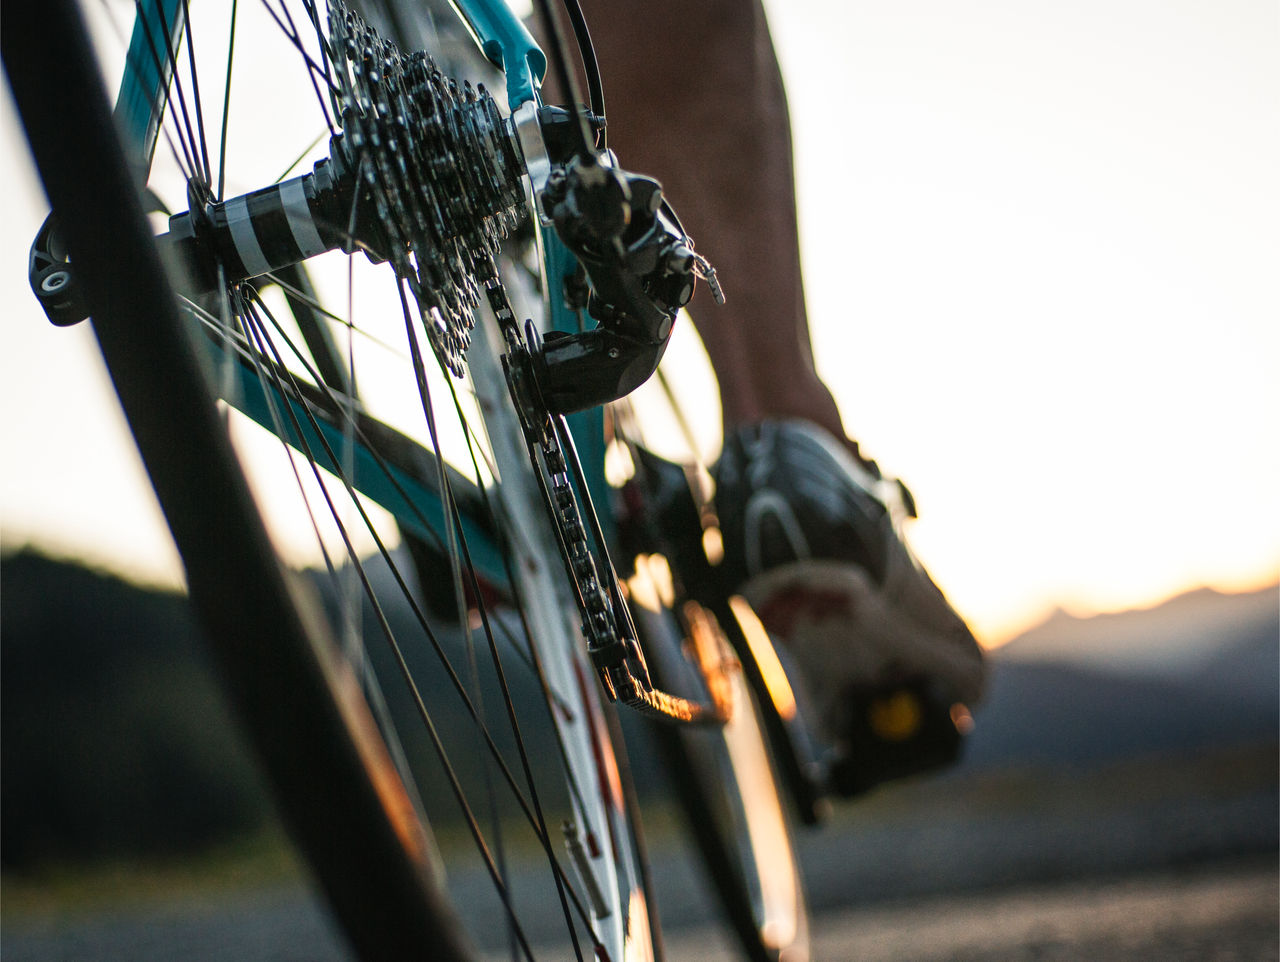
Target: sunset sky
(1041,246)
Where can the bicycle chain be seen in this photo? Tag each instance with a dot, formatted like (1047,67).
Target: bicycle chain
(606,623)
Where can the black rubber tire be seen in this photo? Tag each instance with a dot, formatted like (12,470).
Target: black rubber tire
(707,771)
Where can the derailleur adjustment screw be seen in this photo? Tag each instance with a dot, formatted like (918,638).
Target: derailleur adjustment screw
(679,260)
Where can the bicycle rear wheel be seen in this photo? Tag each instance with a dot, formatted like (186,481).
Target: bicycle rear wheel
(416,692)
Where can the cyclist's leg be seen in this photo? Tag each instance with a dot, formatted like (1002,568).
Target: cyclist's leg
(810,534)
(722,141)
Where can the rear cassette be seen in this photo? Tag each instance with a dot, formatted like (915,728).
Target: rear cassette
(440,167)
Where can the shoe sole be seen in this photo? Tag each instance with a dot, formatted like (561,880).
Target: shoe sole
(836,621)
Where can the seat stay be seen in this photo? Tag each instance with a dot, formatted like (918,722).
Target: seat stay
(144,85)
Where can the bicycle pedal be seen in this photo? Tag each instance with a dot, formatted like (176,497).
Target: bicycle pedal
(894,732)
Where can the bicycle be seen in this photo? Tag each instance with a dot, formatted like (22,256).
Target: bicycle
(456,574)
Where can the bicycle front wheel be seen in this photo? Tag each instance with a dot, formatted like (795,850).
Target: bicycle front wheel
(373,579)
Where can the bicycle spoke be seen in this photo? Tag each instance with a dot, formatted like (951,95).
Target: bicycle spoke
(299,159)
(324,60)
(534,815)
(314,16)
(472,824)
(195,95)
(313,68)
(226,102)
(197,160)
(183,151)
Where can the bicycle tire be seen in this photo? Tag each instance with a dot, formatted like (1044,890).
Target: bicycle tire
(724,777)
(313,717)
(733,805)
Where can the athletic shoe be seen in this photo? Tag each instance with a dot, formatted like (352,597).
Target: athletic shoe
(812,537)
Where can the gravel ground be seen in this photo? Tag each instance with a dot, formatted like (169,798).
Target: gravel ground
(1218,913)
(1222,914)
(1166,877)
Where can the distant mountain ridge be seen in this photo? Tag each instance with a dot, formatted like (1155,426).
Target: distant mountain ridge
(1199,671)
(1173,638)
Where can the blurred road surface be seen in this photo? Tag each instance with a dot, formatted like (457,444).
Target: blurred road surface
(1223,913)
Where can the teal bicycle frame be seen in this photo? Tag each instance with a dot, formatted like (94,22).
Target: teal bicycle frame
(416,505)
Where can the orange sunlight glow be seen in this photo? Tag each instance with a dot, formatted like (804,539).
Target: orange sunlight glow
(775,677)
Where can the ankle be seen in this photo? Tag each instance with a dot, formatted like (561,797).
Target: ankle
(784,398)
